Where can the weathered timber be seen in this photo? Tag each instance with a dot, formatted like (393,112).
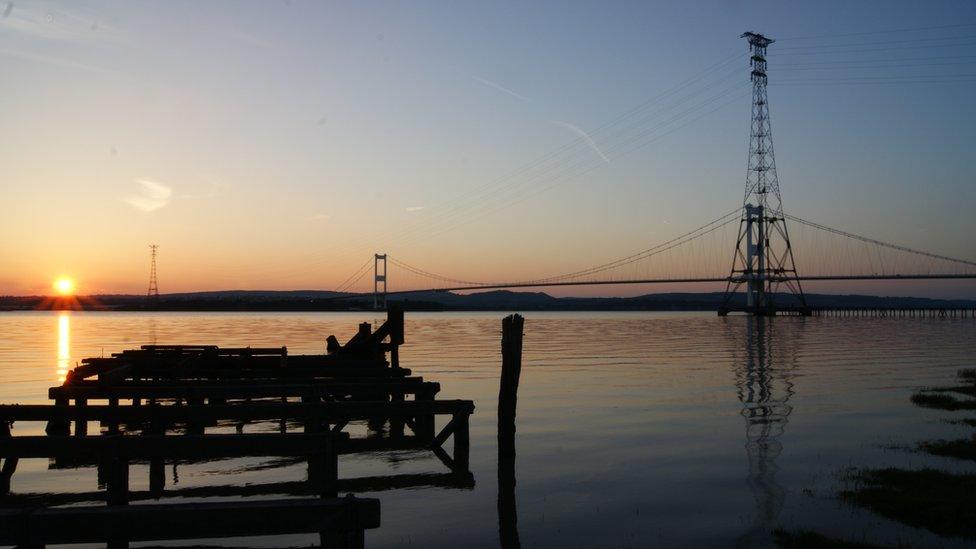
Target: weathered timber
(241,390)
(507,400)
(508,385)
(451,480)
(114,453)
(169,446)
(365,354)
(342,519)
(254,411)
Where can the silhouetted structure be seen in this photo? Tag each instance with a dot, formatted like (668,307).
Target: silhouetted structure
(507,400)
(379,282)
(153,283)
(162,398)
(763,257)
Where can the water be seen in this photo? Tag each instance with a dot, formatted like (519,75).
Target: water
(634,429)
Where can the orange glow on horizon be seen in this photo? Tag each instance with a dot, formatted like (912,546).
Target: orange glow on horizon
(64,286)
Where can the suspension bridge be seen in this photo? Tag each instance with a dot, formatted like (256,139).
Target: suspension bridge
(759,252)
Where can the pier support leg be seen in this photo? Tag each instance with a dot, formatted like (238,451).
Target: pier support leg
(157,477)
(462,442)
(59,427)
(81,424)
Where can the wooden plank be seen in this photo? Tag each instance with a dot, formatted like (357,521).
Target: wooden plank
(187,521)
(456,481)
(254,411)
(172,447)
(241,390)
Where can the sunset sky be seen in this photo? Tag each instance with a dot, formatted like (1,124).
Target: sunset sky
(278,145)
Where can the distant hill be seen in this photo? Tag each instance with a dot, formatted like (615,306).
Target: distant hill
(316,300)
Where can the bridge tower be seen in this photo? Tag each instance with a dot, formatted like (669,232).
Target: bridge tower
(379,281)
(763,258)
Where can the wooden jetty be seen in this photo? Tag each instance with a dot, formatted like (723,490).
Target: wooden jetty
(155,404)
(895,312)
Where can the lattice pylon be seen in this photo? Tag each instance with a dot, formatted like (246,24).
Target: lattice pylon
(763,257)
(153,283)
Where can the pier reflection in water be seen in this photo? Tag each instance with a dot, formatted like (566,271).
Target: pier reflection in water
(631,425)
(765,385)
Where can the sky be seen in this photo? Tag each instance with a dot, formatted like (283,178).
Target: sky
(280,144)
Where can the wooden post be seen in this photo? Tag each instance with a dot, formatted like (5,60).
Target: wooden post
(323,470)
(9,463)
(508,389)
(507,398)
(59,427)
(81,424)
(462,441)
(394,318)
(157,477)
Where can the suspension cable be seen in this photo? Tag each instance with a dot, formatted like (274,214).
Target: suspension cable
(879,242)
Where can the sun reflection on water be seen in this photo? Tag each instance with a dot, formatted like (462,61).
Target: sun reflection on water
(64,345)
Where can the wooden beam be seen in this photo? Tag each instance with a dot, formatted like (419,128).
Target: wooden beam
(254,411)
(243,390)
(35,527)
(171,447)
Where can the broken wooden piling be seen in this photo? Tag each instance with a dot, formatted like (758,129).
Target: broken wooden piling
(507,400)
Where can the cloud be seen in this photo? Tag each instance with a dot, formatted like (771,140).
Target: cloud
(584,136)
(499,87)
(212,188)
(51,22)
(152,197)
(414,208)
(319,217)
(53,60)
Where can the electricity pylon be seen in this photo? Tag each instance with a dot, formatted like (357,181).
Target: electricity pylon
(763,257)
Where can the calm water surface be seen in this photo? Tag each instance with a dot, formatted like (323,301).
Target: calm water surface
(634,429)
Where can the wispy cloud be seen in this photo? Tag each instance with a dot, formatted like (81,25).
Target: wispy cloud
(211,188)
(52,60)
(499,87)
(47,21)
(414,208)
(319,217)
(153,196)
(584,136)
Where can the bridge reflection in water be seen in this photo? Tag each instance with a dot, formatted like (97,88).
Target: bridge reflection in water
(764,381)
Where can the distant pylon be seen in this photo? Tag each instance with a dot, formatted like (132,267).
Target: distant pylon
(153,283)
(763,257)
(379,282)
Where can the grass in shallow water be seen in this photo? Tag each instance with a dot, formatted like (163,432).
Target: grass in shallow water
(813,540)
(942,401)
(960,448)
(940,502)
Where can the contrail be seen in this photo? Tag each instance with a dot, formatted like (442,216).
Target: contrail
(584,136)
(500,88)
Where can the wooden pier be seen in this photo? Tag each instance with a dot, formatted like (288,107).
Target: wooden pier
(894,312)
(155,405)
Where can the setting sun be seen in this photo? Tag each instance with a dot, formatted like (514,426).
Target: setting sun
(64,286)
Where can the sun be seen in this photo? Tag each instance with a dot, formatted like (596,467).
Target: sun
(64,286)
